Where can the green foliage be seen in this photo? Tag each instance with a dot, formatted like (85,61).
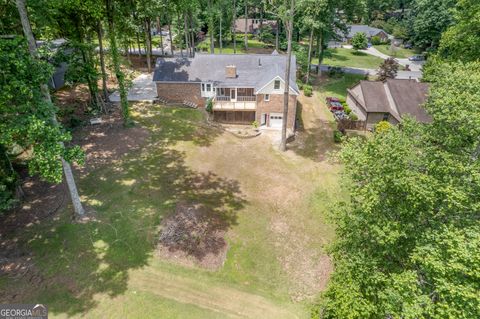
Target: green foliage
(430,18)
(209,106)
(388,69)
(376,40)
(353,116)
(267,34)
(26,118)
(346,108)
(337,136)
(462,40)
(407,239)
(359,41)
(255,124)
(382,126)
(307,90)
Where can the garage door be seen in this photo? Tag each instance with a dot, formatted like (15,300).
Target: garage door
(276,120)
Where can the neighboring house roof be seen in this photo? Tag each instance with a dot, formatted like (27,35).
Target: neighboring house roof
(253,70)
(254,23)
(409,96)
(394,96)
(369,31)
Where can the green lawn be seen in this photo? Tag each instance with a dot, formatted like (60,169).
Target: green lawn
(398,52)
(254,46)
(349,58)
(273,204)
(337,87)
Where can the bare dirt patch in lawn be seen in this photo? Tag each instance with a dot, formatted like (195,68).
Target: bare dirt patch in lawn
(193,236)
(107,142)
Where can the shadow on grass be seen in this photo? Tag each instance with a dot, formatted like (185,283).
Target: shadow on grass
(131,197)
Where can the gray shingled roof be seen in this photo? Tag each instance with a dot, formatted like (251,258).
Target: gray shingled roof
(369,31)
(253,70)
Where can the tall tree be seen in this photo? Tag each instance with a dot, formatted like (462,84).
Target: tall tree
(110,12)
(429,19)
(77,204)
(288,18)
(462,41)
(407,239)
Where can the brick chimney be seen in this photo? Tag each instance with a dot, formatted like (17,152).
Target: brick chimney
(230,71)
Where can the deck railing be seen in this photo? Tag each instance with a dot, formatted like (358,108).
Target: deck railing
(246,98)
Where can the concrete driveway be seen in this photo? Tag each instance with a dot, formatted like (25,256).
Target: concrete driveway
(143,89)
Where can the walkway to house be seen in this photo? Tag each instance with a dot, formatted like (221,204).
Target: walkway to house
(143,89)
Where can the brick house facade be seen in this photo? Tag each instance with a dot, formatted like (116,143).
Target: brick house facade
(243,88)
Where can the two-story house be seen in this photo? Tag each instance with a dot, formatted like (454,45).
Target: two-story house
(243,87)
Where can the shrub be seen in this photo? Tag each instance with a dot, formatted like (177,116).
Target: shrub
(347,109)
(209,107)
(382,126)
(307,90)
(255,124)
(300,85)
(335,71)
(337,136)
(359,41)
(266,34)
(353,116)
(376,40)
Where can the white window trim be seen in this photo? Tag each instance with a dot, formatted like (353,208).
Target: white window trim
(279,85)
(267,98)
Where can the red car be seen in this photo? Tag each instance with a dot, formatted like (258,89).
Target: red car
(332,99)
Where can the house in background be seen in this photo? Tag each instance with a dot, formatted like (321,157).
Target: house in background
(375,101)
(369,31)
(243,88)
(253,25)
(52,48)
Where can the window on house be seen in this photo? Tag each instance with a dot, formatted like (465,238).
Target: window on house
(267,97)
(209,87)
(203,87)
(276,85)
(385,116)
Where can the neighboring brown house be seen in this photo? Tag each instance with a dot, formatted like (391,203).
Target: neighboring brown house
(375,101)
(253,25)
(244,88)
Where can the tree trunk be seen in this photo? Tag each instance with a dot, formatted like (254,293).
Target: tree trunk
(192,33)
(181,44)
(310,44)
(320,53)
(277,35)
(102,60)
(72,187)
(116,64)
(261,17)
(210,27)
(283,144)
(220,35)
(139,46)
(246,23)
(149,29)
(170,35)
(159,29)
(185,33)
(147,47)
(234,32)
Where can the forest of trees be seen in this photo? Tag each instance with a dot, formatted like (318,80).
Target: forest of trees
(407,240)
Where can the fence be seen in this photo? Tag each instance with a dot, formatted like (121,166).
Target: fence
(346,124)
